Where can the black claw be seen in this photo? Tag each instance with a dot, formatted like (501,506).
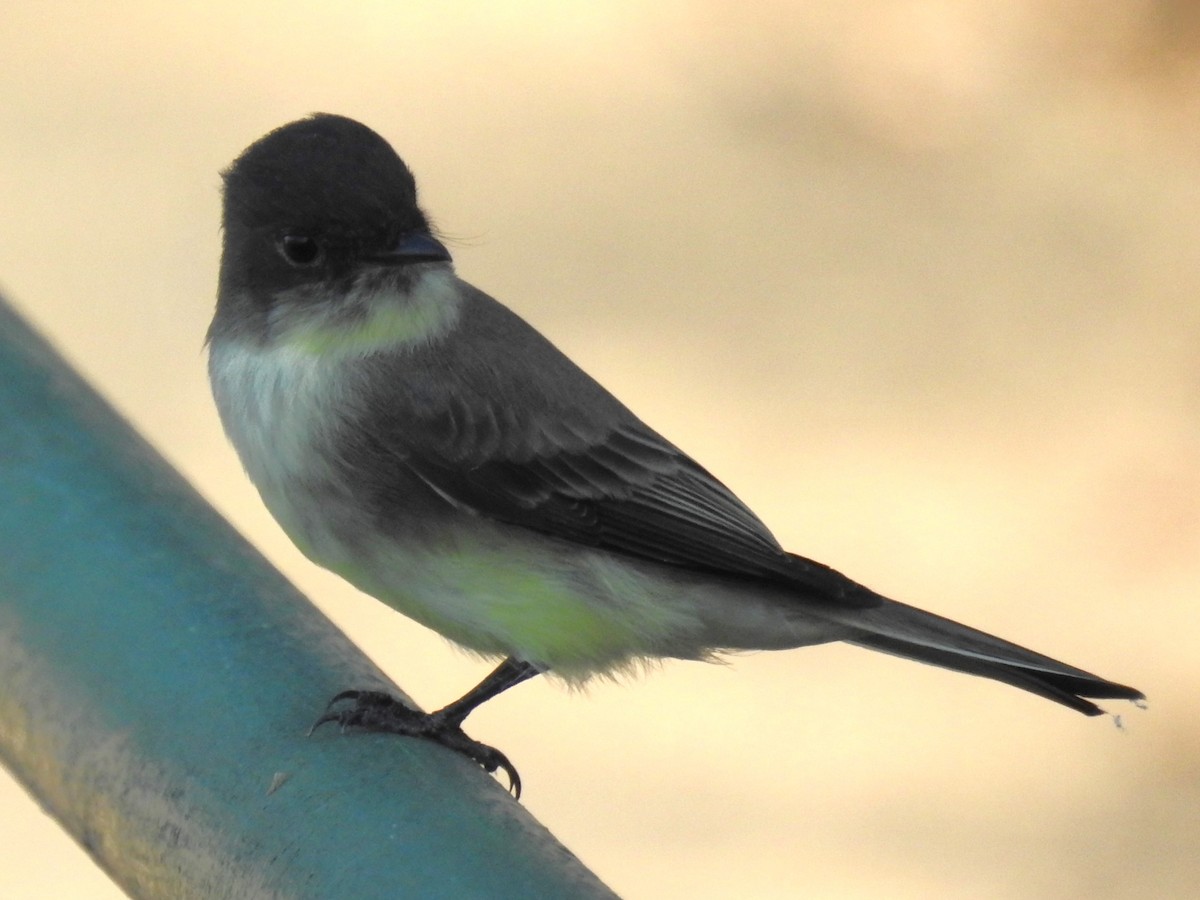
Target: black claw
(330,716)
(380,712)
(370,710)
(348,695)
(489,758)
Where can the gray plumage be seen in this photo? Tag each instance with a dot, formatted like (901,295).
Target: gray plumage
(414,435)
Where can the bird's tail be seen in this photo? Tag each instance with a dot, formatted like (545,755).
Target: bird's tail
(905,631)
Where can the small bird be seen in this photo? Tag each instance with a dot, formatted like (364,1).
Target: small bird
(419,439)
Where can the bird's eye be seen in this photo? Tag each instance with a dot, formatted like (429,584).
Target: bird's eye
(299,250)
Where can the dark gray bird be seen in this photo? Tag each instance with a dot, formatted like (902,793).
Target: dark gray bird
(422,441)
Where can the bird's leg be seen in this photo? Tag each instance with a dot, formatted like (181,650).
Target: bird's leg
(378,711)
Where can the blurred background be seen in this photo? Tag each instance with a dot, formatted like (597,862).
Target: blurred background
(916,279)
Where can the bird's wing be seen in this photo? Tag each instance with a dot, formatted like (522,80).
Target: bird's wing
(606,482)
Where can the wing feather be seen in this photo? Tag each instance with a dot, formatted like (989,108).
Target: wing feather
(542,446)
(628,491)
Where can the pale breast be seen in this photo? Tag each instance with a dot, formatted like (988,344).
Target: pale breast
(280,407)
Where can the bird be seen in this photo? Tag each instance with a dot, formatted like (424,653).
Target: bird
(422,441)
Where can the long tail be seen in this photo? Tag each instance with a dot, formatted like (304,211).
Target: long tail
(915,634)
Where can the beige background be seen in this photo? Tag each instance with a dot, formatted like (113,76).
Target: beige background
(917,279)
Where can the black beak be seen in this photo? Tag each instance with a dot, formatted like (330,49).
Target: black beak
(414,247)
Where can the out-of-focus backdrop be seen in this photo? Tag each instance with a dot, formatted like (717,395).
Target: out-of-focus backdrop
(917,279)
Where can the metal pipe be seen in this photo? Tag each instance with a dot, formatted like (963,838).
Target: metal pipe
(158,678)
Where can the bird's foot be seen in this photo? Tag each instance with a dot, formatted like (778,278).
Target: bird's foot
(378,711)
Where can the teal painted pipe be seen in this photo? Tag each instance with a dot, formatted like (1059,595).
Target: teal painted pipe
(158,678)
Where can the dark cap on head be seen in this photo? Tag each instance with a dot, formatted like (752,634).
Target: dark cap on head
(325,172)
